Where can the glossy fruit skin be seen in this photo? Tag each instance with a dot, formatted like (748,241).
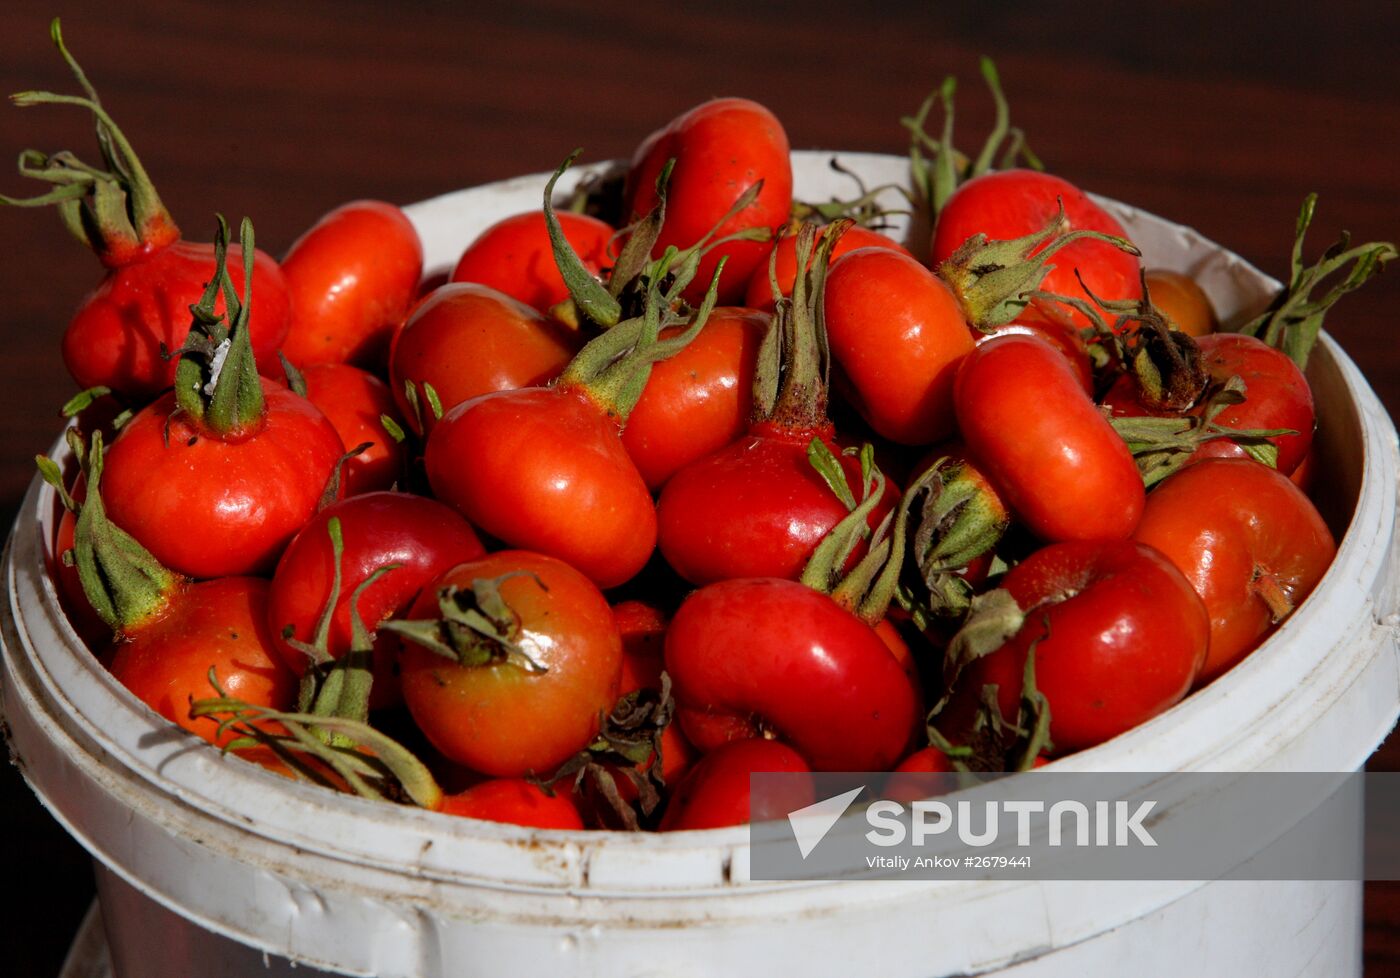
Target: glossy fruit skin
(698,400)
(499,719)
(353,401)
(220,624)
(543,468)
(722,148)
(516,801)
(514,256)
(759,294)
(766,654)
(716,792)
(351,278)
(755,508)
(115,337)
(422,536)
(1228,525)
(1043,443)
(467,339)
(209,507)
(1051,324)
(1183,300)
(1126,638)
(1277,395)
(898,332)
(1008,204)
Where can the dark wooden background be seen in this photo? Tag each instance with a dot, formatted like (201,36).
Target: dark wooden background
(1218,114)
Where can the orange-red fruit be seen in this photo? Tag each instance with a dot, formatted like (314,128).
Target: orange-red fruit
(721,148)
(219,625)
(716,792)
(215,507)
(1185,303)
(419,537)
(544,469)
(351,278)
(514,256)
(1008,204)
(115,338)
(1241,533)
(1043,444)
(898,332)
(699,400)
(466,339)
(1119,635)
(498,718)
(354,400)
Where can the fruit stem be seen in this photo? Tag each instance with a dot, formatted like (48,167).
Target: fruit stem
(371,775)
(476,628)
(1294,319)
(123,581)
(115,211)
(994,280)
(790,378)
(216,382)
(1272,592)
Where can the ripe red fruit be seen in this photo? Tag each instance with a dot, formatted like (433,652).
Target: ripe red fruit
(1007,204)
(351,278)
(142,308)
(219,625)
(421,537)
(497,714)
(782,263)
(465,340)
(516,801)
(898,333)
(354,401)
(1249,541)
(1119,636)
(764,655)
(1043,444)
(700,399)
(514,256)
(544,468)
(721,148)
(210,506)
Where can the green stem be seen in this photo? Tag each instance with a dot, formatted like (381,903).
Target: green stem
(122,580)
(790,379)
(115,211)
(1294,319)
(216,382)
(476,627)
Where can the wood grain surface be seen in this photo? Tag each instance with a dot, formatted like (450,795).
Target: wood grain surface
(1216,114)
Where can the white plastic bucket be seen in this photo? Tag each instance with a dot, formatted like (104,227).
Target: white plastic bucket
(213,867)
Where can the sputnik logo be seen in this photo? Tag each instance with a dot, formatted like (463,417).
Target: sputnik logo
(811,824)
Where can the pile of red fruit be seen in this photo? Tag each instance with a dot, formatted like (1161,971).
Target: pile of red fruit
(584,540)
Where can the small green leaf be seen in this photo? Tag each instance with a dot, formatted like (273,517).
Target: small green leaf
(829,467)
(83,400)
(392,429)
(434,403)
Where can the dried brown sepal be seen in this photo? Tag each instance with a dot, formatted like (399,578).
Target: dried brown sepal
(628,745)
